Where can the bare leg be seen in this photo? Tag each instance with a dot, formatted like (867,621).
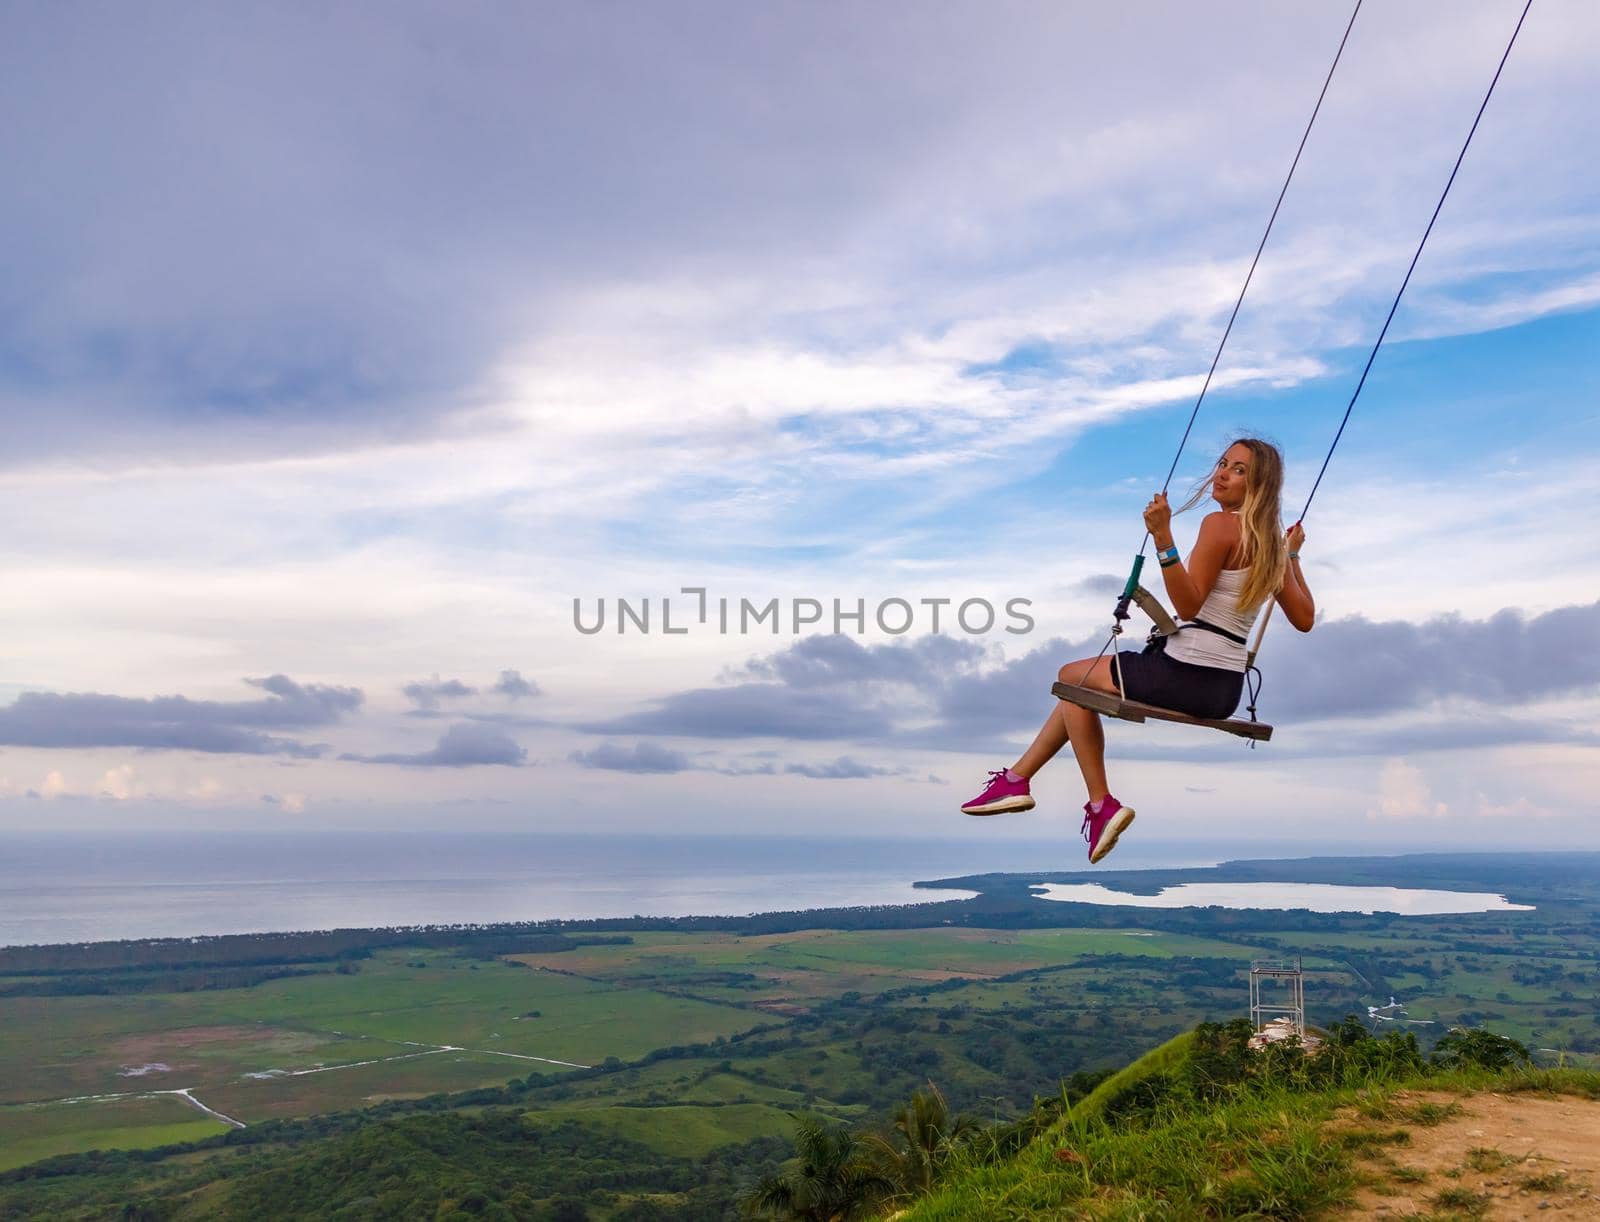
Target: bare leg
(1079,726)
(1088,738)
(1051,738)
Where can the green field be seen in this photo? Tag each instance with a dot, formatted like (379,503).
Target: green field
(781,973)
(415,1022)
(676,1129)
(411,1023)
(32,1132)
(315,1044)
(698,1040)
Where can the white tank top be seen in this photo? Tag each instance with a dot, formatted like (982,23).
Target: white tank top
(1202,648)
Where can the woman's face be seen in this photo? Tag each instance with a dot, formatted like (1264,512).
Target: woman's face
(1232,477)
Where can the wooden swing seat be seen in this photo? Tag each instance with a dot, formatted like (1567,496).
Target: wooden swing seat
(1131,710)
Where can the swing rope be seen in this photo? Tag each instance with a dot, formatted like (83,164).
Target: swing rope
(1260,246)
(1121,613)
(1394,306)
(1373,355)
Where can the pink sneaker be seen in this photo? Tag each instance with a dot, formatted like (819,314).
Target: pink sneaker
(999,796)
(1103,822)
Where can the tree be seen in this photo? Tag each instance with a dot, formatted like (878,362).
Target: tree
(924,1135)
(1463,1047)
(832,1178)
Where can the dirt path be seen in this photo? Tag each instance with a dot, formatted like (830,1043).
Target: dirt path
(428,1050)
(185,1094)
(1487,1156)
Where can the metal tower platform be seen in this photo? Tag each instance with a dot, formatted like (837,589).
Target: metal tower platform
(1277,991)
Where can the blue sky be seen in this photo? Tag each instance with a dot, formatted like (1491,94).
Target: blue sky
(340,352)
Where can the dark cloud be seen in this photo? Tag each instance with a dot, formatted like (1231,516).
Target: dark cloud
(834,687)
(1360,667)
(755,710)
(1355,667)
(642,757)
(511,684)
(1402,733)
(746,770)
(652,757)
(90,719)
(844,768)
(430,693)
(461,746)
(1446,733)
(264,295)
(1108,585)
(835,659)
(934,692)
(974,706)
(521,720)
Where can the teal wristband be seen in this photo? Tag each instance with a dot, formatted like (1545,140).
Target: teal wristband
(1294,555)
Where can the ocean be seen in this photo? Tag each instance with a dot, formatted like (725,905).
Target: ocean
(101,886)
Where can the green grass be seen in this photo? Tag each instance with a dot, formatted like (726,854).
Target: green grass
(1258,1157)
(212,1041)
(1549,1181)
(812,964)
(478,1006)
(1266,1153)
(1483,1158)
(1430,1114)
(1155,1062)
(82,1045)
(30,1133)
(684,1130)
(253,1100)
(1462,1202)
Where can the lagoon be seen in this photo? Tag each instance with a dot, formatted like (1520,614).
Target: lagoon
(1312,897)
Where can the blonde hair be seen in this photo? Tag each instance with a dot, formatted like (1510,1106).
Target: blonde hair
(1266,554)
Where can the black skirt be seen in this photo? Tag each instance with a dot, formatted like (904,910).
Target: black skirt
(1151,677)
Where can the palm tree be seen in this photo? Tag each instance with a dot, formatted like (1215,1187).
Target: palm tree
(832,1178)
(925,1133)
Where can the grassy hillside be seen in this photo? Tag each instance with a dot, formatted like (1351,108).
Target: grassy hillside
(1154,1064)
(1198,1128)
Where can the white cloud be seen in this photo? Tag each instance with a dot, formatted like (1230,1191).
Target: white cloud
(1404,793)
(1517,808)
(120,783)
(290,803)
(757,367)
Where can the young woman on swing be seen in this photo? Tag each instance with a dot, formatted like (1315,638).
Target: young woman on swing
(1241,559)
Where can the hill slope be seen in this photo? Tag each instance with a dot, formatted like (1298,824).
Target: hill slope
(1198,1128)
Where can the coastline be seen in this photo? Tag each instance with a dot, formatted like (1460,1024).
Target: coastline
(970,899)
